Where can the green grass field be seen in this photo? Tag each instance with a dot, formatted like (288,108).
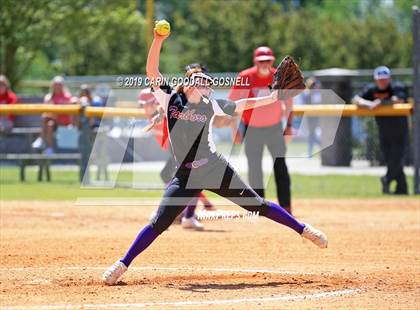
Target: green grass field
(65,186)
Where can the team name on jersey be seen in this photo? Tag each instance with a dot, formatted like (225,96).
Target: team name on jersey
(189,115)
(382,95)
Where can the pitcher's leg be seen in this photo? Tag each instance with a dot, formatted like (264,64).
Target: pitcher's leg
(174,201)
(237,191)
(248,199)
(168,171)
(145,238)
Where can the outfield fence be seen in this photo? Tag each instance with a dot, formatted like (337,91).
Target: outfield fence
(86,112)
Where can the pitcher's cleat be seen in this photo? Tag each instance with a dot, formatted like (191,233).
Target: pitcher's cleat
(315,235)
(191,223)
(113,273)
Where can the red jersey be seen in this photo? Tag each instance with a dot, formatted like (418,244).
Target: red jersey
(63,98)
(8,97)
(264,116)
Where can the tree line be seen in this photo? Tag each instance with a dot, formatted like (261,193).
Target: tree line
(40,38)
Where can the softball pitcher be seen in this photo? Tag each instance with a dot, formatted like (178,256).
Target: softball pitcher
(158,127)
(190,110)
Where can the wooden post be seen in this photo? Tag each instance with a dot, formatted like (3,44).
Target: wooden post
(150,13)
(416,115)
(85,147)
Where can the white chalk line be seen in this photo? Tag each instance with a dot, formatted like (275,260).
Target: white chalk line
(182,303)
(194,303)
(214,269)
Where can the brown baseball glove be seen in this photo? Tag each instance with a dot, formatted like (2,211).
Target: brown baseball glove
(288,79)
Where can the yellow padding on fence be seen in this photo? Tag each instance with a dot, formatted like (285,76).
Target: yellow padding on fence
(113,112)
(402,109)
(35,108)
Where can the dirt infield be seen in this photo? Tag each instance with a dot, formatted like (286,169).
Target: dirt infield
(53,253)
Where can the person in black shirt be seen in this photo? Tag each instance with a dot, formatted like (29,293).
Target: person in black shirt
(190,111)
(393,130)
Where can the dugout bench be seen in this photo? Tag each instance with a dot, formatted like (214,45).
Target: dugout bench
(16,145)
(42,160)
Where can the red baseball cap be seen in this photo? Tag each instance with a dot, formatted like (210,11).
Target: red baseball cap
(146,97)
(263,53)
